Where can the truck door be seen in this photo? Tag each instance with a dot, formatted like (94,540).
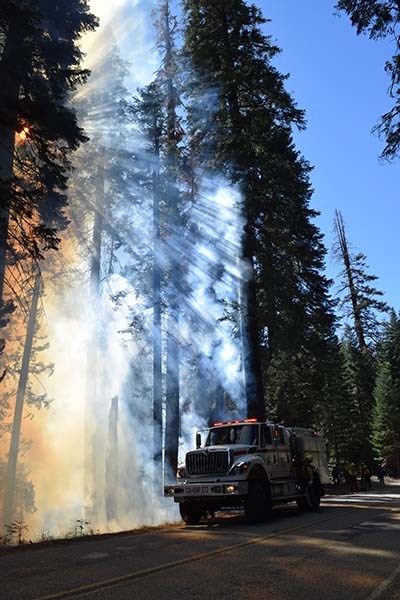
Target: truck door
(282,440)
(270,450)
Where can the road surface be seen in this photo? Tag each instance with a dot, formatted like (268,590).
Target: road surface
(349,550)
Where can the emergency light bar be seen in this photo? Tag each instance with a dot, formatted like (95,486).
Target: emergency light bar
(235,422)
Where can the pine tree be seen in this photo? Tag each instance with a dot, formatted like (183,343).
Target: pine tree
(362,303)
(51,217)
(100,210)
(39,65)
(359,376)
(386,425)
(241,121)
(167,78)
(359,295)
(11,477)
(335,406)
(147,112)
(380,19)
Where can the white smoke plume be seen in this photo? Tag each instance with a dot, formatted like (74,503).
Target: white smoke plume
(119,324)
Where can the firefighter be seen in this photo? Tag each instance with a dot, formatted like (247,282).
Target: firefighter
(380,473)
(352,476)
(336,475)
(365,477)
(346,473)
(311,480)
(308,468)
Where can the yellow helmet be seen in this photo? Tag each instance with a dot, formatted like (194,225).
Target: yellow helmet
(309,457)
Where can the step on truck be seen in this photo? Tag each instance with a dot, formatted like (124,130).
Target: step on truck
(253,466)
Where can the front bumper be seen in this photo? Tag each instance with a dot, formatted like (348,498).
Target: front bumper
(202,490)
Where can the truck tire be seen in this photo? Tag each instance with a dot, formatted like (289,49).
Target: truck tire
(191,513)
(257,505)
(301,504)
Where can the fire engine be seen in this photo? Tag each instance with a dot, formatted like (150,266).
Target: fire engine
(250,465)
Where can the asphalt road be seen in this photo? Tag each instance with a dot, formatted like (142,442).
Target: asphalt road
(350,550)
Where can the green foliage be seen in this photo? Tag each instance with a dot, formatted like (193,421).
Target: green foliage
(39,66)
(359,299)
(386,430)
(241,119)
(359,375)
(334,407)
(24,490)
(381,19)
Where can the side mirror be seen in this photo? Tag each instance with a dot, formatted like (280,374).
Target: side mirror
(198,440)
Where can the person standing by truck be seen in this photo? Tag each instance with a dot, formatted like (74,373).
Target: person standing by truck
(336,475)
(352,475)
(380,473)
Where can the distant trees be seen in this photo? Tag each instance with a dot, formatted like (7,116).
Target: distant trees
(361,302)
(386,425)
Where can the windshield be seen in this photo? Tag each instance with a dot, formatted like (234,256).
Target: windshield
(233,434)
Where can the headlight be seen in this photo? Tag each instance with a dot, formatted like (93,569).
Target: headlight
(181,472)
(239,469)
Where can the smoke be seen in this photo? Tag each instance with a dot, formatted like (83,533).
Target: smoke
(99,312)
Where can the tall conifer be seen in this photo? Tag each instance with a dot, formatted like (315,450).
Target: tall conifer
(241,118)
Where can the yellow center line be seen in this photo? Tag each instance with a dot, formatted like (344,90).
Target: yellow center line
(93,587)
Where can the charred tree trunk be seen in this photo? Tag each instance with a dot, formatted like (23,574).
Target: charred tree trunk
(93,471)
(9,496)
(111,467)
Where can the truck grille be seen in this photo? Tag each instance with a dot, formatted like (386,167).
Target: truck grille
(203,462)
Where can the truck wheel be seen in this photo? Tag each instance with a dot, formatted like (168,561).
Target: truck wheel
(258,502)
(302,504)
(191,513)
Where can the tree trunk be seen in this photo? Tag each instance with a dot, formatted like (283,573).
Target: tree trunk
(172,395)
(9,496)
(93,470)
(253,365)
(111,466)
(249,310)
(344,250)
(172,375)
(157,355)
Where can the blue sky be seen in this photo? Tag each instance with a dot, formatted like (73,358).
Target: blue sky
(339,79)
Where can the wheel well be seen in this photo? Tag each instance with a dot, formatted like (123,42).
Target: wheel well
(258,473)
